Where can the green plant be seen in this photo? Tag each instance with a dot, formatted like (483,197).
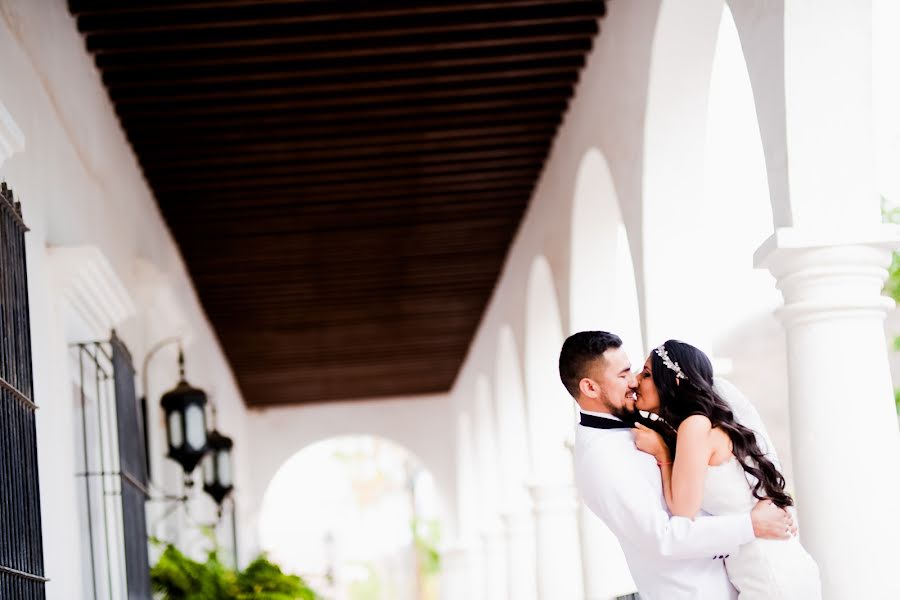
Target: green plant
(425,538)
(178,577)
(892,285)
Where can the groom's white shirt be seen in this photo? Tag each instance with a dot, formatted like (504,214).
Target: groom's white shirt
(670,558)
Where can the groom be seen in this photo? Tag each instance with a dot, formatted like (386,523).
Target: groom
(671,558)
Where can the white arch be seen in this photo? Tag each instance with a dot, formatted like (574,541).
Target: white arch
(276,434)
(602,287)
(487,455)
(512,423)
(674,145)
(467,478)
(550,408)
(330,495)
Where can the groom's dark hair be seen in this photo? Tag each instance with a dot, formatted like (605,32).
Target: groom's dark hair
(578,351)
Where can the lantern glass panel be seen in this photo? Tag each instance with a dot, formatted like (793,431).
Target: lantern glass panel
(223,460)
(209,475)
(195,425)
(176,435)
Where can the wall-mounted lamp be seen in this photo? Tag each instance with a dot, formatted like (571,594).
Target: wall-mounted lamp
(185,408)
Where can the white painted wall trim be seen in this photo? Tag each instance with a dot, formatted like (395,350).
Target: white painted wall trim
(91,290)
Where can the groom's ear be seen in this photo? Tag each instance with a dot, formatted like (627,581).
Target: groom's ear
(588,387)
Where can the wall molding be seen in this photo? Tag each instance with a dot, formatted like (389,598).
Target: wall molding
(96,299)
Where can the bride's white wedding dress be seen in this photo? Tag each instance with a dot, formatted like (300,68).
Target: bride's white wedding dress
(762,569)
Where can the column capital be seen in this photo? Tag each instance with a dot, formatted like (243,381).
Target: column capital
(518,521)
(492,530)
(791,240)
(830,274)
(553,497)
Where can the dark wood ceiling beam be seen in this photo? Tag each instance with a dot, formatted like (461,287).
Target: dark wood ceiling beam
(288,224)
(413,153)
(394,350)
(515,168)
(401,196)
(286,204)
(355,31)
(395,83)
(280,70)
(402,188)
(303,151)
(558,85)
(347,122)
(575,33)
(521,170)
(286,314)
(342,253)
(165,17)
(512,98)
(304,139)
(360,272)
(184,168)
(319,251)
(413,186)
(370,288)
(265,140)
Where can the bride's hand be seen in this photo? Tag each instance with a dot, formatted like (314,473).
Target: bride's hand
(650,442)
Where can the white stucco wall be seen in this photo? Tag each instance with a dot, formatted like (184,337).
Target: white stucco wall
(80,185)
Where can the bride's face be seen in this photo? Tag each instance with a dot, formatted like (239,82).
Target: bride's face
(647,395)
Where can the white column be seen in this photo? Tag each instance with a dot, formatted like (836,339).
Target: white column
(844,434)
(454,572)
(520,555)
(606,574)
(556,535)
(474,582)
(495,565)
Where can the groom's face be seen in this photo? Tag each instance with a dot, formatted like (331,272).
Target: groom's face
(616,382)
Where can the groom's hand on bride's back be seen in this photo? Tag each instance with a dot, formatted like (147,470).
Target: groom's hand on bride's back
(771,522)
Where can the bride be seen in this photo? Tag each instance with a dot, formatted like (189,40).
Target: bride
(716,465)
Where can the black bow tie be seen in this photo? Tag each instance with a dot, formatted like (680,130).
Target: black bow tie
(604,423)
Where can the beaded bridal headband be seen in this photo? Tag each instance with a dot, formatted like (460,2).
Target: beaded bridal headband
(670,364)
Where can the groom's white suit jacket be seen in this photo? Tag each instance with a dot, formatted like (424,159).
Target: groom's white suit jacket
(671,558)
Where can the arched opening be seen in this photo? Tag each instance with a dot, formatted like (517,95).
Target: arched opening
(550,408)
(741,300)
(358,516)
(487,454)
(603,292)
(603,296)
(512,429)
(673,242)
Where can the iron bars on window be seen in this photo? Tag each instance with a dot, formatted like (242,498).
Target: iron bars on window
(21,553)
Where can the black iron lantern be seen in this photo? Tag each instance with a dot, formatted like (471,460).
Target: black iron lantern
(185,408)
(217,473)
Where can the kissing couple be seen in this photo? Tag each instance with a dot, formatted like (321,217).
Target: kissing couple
(695,495)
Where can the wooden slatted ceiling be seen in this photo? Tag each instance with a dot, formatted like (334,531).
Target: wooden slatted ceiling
(343,178)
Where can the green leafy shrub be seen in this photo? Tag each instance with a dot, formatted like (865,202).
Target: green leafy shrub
(178,577)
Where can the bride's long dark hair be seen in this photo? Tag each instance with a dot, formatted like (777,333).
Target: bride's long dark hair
(695,395)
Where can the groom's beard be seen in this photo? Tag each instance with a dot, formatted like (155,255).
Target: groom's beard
(629,416)
(622,412)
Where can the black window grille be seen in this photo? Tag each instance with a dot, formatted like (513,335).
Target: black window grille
(114,473)
(21,552)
